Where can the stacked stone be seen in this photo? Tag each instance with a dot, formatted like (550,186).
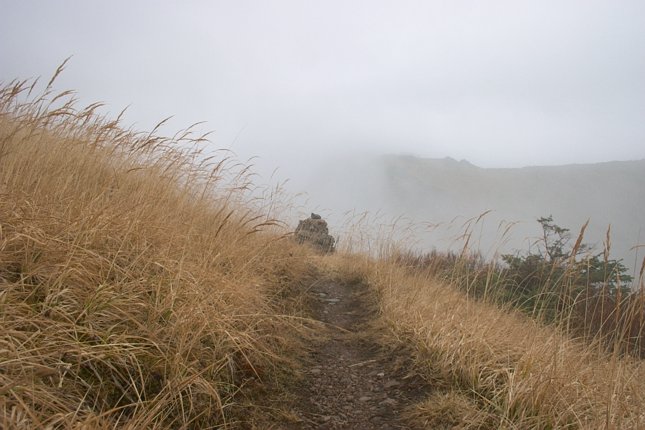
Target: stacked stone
(315,232)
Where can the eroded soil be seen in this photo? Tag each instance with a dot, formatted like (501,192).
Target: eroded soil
(353,378)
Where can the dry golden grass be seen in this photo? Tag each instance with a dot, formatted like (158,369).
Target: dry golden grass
(519,373)
(449,410)
(136,275)
(143,286)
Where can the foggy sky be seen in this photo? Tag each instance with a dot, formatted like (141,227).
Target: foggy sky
(499,83)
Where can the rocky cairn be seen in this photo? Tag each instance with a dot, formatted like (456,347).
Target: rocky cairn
(315,232)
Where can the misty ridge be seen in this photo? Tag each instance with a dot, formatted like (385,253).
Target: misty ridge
(439,196)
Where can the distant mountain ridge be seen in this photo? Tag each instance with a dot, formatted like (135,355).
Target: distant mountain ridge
(438,190)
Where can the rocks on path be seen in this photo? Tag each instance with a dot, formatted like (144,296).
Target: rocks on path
(353,380)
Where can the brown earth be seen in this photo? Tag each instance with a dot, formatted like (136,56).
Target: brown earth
(352,378)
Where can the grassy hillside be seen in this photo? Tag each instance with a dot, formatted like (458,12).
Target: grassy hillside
(137,277)
(494,367)
(142,285)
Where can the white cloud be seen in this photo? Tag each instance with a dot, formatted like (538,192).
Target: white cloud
(499,83)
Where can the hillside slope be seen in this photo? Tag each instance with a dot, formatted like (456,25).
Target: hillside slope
(143,286)
(138,284)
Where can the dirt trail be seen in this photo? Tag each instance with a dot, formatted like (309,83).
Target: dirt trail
(353,380)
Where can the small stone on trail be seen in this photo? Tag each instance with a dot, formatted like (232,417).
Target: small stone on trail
(391,383)
(364,399)
(315,370)
(380,374)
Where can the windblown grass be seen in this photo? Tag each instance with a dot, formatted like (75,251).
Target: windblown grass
(143,285)
(496,367)
(137,275)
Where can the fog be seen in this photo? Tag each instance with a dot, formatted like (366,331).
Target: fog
(298,83)
(447,204)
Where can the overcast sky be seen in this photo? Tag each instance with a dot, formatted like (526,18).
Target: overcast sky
(499,83)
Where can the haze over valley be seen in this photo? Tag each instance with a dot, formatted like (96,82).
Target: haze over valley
(445,193)
(319,93)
